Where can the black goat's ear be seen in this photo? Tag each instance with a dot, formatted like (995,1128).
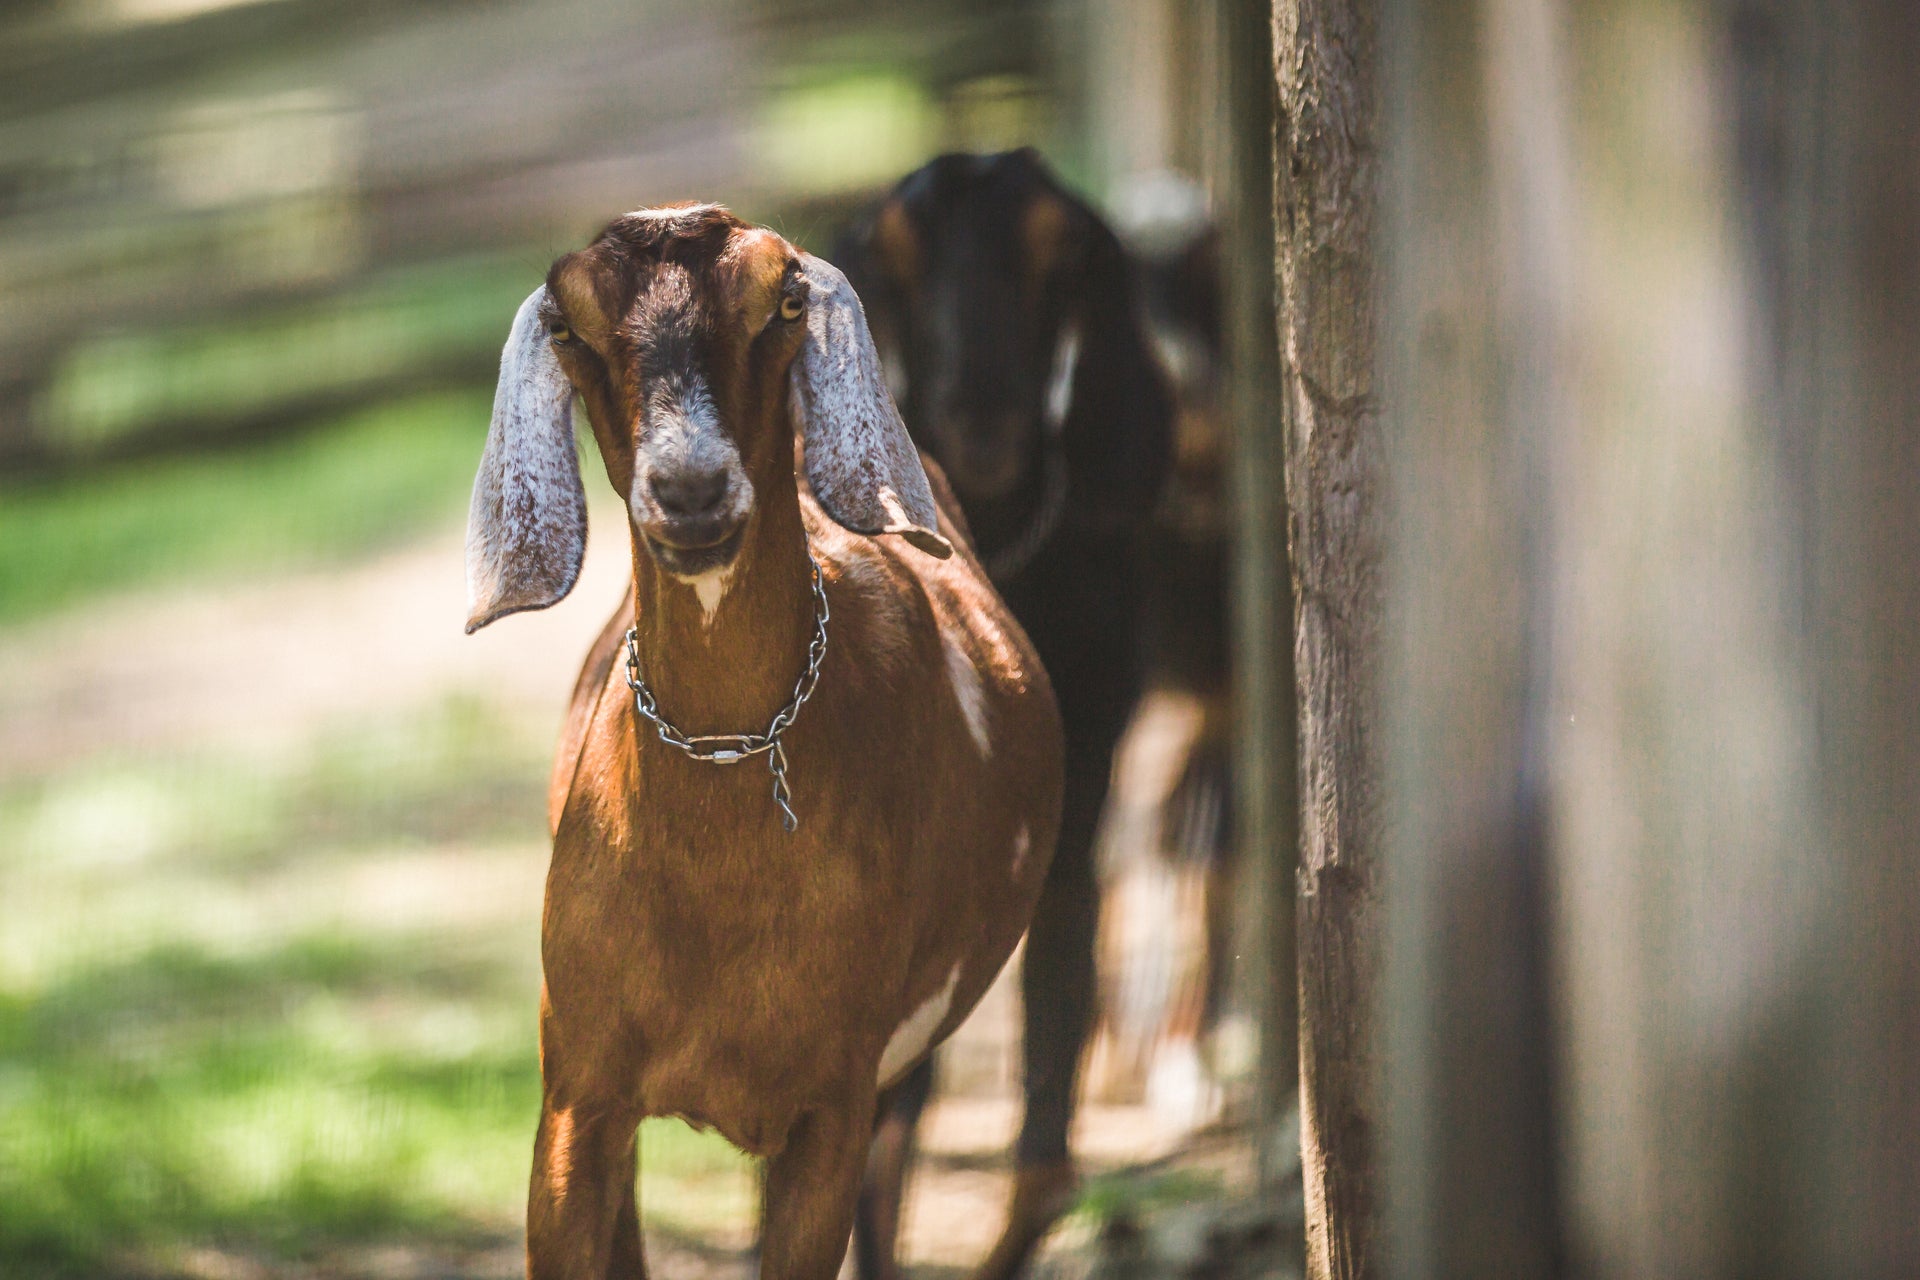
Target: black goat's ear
(861,466)
(527,526)
(1108,396)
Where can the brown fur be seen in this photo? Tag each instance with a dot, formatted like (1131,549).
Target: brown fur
(1046,230)
(700,961)
(897,245)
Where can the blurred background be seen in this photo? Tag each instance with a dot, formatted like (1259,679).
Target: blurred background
(271,829)
(1580,444)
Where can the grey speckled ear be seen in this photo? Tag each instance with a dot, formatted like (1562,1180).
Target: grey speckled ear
(861,465)
(527,527)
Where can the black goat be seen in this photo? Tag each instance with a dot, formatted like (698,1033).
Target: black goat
(1009,311)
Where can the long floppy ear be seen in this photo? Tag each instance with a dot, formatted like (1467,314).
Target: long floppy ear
(527,527)
(861,465)
(1116,421)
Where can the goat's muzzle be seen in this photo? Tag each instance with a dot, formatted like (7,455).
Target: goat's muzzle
(689,548)
(692,515)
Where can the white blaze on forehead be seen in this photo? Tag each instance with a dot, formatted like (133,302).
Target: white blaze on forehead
(682,433)
(1022,844)
(913,1037)
(683,428)
(965,678)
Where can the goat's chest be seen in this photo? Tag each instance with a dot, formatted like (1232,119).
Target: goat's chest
(713,954)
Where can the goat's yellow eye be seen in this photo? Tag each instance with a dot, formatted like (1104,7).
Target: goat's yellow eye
(559,332)
(791,307)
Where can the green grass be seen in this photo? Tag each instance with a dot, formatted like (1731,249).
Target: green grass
(219,1027)
(1131,1195)
(326,495)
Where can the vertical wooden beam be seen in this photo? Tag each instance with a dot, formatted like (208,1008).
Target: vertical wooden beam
(1650,1001)
(1474,390)
(1859,1194)
(1324,201)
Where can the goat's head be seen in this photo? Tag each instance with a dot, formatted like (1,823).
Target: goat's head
(994,282)
(697,343)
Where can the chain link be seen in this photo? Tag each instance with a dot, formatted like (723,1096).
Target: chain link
(731,748)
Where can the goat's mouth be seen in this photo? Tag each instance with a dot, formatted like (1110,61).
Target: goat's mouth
(689,552)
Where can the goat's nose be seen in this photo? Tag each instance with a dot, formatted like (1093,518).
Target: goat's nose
(688,492)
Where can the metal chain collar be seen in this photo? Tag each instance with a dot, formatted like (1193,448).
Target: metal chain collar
(731,748)
(1008,561)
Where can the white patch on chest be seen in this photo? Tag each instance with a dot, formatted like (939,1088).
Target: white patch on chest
(965,678)
(1022,843)
(711,588)
(912,1037)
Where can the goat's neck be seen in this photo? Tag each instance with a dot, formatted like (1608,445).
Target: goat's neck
(731,669)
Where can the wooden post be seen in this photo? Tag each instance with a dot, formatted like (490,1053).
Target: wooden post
(1651,1003)
(1853,323)
(1324,166)
(1472,197)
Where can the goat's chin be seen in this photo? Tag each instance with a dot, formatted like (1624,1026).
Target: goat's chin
(693,562)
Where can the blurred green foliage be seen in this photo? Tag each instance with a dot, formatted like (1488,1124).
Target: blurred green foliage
(399,326)
(1130,1195)
(325,494)
(847,132)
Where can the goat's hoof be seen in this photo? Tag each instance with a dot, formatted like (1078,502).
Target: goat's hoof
(1041,1193)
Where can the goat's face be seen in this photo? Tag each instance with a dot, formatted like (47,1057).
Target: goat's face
(679,327)
(984,257)
(698,344)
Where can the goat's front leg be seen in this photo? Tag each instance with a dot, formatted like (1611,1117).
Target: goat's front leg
(582,1223)
(812,1186)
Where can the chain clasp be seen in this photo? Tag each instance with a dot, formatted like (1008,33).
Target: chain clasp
(732,748)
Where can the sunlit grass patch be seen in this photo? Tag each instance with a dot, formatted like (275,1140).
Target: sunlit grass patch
(369,826)
(322,496)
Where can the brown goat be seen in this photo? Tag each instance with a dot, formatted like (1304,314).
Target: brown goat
(703,959)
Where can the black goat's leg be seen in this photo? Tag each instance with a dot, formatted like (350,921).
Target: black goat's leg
(1057,987)
(876,1223)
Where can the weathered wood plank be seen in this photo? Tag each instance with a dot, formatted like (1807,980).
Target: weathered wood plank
(1324,66)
